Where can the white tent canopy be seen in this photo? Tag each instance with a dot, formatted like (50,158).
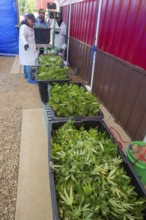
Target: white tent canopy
(67,2)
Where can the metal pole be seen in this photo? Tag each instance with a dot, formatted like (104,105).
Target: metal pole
(144,139)
(17,7)
(68,38)
(54,26)
(96,42)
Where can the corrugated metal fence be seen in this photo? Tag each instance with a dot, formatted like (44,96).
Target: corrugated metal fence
(83,20)
(122,28)
(119,85)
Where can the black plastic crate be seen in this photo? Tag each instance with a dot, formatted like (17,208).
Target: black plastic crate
(53,195)
(42,35)
(51,5)
(101,126)
(43,87)
(49,110)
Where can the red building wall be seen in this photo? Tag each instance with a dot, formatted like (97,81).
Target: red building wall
(122,30)
(65,14)
(42,3)
(83,21)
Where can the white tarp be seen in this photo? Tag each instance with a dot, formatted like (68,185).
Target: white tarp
(67,2)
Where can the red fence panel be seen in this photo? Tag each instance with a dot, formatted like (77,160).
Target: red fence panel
(83,21)
(123,30)
(65,13)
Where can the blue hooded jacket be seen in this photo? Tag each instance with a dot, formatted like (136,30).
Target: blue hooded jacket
(41,23)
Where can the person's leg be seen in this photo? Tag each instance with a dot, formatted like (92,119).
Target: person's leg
(28,71)
(41,51)
(25,72)
(29,74)
(33,72)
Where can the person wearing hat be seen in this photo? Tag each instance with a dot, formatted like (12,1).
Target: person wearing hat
(27,48)
(60,32)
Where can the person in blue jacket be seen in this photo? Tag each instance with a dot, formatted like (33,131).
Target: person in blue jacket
(41,23)
(40,20)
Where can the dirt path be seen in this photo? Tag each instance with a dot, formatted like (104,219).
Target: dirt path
(15,95)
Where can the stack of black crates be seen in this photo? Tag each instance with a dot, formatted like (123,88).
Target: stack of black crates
(55,122)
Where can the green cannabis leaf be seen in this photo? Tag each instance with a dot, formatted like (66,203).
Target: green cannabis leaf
(89,179)
(50,60)
(68,199)
(50,68)
(54,72)
(72,100)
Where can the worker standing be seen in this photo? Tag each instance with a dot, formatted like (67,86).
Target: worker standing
(27,48)
(60,32)
(55,29)
(62,35)
(41,23)
(40,20)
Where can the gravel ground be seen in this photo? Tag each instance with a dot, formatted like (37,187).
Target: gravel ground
(15,95)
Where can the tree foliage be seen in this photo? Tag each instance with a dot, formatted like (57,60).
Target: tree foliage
(29,6)
(21,4)
(26,6)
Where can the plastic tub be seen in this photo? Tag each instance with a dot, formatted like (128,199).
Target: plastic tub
(101,126)
(43,87)
(138,166)
(42,35)
(99,115)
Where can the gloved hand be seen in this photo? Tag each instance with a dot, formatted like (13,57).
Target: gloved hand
(26,46)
